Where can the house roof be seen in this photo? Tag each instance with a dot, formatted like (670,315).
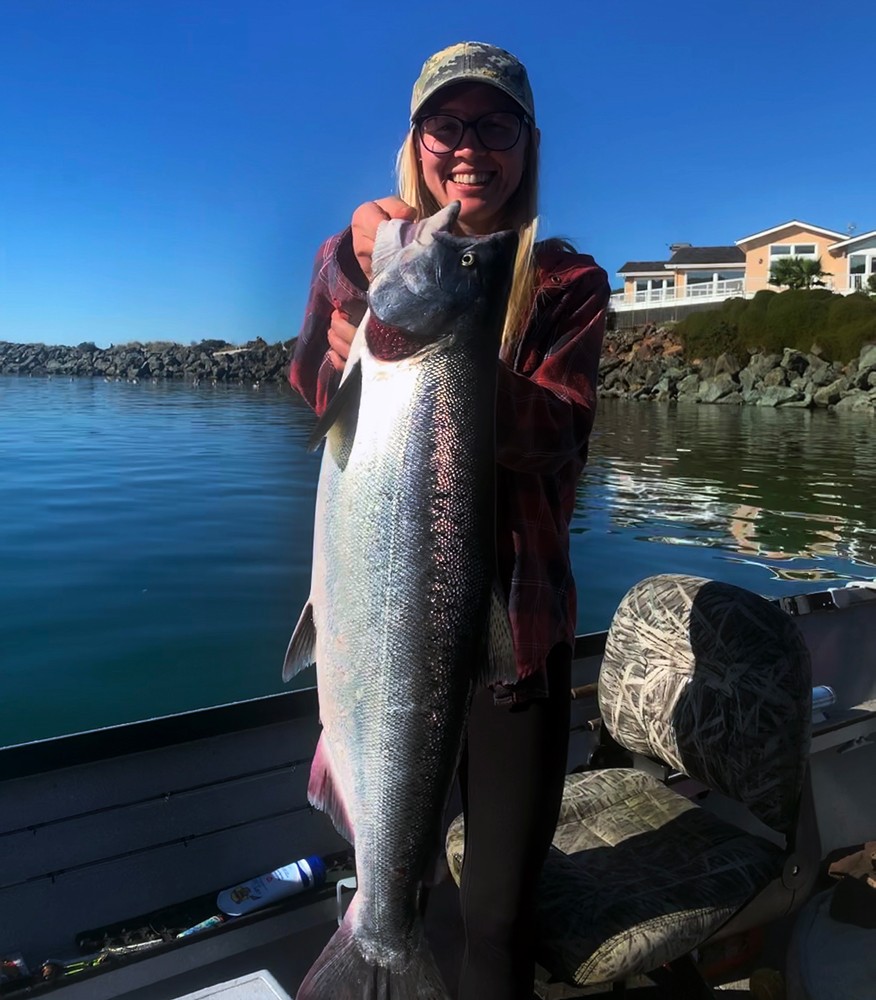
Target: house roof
(852,240)
(785,225)
(707,255)
(643,267)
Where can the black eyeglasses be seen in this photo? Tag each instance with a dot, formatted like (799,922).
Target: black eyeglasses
(496,131)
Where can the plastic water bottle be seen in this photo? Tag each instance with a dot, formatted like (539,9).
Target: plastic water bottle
(266,889)
(823,696)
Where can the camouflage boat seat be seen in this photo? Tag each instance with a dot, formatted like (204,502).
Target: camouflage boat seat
(714,682)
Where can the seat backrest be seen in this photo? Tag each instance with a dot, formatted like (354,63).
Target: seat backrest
(715,681)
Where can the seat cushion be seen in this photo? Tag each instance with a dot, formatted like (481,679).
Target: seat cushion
(637,876)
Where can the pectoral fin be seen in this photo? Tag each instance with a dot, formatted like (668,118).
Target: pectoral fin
(344,405)
(301,652)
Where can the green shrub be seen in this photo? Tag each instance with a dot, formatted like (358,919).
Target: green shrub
(754,322)
(838,324)
(850,308)
(795,318)
(844,343)
(851,324)
(708,334)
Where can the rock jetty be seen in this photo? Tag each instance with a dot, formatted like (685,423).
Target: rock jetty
(648,364)
(211,360)
(643,364)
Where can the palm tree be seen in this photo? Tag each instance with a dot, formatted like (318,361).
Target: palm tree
(797,272)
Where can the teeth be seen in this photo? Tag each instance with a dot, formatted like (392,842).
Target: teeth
(470,178)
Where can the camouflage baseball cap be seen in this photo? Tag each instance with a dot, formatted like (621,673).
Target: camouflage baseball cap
(476,62)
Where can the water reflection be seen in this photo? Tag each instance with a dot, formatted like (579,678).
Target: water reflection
(787,494)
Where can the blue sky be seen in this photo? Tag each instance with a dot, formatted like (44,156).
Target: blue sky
(169,167)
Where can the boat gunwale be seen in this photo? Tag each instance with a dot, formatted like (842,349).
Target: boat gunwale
(25,760)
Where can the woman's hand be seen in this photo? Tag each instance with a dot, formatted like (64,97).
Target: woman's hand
(364,225)
(341,332)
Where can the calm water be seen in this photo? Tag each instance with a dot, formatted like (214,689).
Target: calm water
(155,539)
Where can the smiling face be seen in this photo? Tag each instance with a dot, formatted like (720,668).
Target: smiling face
(482,180)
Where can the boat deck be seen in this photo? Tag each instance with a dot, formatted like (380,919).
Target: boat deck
(99,827)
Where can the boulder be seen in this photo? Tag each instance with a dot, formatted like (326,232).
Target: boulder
(747,379)
(665,390)
(857,401)
(794,361)
(800,404)
(819,372)
(830,395)
(712,389)
(688,387)
(729,364)
(708,367)
(760,364)
(776,395)
(775,377)
(867,357)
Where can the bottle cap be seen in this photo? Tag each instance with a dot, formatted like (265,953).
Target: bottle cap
(317,867)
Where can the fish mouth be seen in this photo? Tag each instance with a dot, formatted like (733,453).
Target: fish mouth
(423,233)
(442,221)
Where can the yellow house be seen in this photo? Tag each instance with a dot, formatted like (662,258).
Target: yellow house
(700,275)
(792,239)
(858,257)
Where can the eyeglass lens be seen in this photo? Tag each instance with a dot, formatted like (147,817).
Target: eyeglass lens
(496,131)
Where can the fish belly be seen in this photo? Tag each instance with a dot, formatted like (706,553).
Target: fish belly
(405,530)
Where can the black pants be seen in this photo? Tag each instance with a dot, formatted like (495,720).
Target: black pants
(511,778)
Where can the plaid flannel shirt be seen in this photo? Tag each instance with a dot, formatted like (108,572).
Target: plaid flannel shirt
(545,406)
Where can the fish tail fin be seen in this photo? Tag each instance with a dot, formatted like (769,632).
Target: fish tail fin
(343,972)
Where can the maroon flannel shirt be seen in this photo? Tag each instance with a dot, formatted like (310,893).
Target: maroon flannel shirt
(545,407)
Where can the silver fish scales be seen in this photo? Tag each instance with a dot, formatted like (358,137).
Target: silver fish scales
(405,614)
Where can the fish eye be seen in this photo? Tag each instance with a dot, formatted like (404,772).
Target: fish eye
(467,259)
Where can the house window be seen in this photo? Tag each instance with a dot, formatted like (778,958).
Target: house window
(779,250)
(654,289)
(861,266)
(699,277)
(714,283)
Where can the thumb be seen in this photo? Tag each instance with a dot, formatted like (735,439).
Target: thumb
(395,208)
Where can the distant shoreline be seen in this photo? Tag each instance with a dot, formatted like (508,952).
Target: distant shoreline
(637,365)
(209,361)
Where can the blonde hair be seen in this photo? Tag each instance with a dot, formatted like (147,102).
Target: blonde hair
(521,213)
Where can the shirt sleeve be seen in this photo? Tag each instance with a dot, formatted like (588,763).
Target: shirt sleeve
(337,283)
(544,419)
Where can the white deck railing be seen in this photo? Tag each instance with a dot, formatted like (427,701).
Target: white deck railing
(704,291)
(710,291)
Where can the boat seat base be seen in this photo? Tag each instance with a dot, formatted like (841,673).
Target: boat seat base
(637,876)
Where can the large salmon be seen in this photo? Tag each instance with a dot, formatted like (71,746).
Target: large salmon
(404,615)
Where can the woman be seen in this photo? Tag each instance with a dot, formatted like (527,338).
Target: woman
(473,139)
